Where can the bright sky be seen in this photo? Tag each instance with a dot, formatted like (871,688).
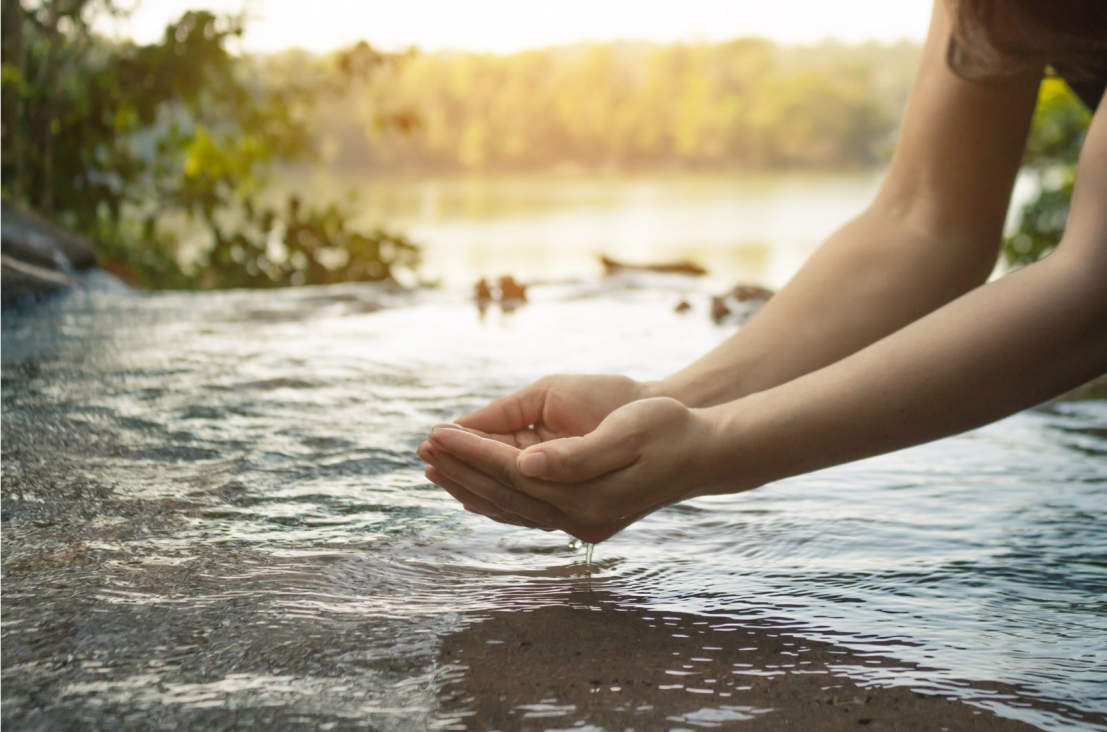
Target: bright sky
(508,25)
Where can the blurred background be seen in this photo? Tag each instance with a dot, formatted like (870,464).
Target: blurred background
(206,145)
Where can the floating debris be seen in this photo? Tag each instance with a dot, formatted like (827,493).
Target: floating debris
(482,291)
(739,304)
(612,266)
(512,291)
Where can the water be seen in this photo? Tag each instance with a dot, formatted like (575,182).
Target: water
(750,227)
(213,518)
(743,227)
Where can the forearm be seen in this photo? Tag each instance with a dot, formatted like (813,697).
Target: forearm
(931,236)
(1002,348)
(878,273)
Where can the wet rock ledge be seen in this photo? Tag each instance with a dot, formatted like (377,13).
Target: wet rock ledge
(38,256)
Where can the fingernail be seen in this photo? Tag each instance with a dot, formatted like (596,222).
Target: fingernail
(533,464)
(445,438)
(446,426)
(424,453)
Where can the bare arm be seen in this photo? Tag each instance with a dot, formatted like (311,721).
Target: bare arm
(931,235)
(873,346)
(1001,348)
(998,349)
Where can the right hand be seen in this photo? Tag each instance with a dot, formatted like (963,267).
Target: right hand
(644,456)
(549,409)
(555,407)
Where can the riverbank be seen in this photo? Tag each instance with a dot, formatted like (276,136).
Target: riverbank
(38,256)
(597,663)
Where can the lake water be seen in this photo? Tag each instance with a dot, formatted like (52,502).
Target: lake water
(753,228)
(213,519)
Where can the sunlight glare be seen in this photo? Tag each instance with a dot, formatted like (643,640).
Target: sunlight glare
(509,25)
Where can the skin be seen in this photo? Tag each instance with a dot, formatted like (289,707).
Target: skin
(888,337)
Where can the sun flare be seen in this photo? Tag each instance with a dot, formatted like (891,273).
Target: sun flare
(502,26)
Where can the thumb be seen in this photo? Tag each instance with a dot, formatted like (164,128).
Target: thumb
(577,459)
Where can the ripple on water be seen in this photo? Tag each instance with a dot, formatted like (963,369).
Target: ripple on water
(213,519)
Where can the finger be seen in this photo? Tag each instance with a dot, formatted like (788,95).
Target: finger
(474,503)
(505,498)
(578,459)
(455,426)
(509,414)
(543,434)
(521,439)
(469,501)
(495,461)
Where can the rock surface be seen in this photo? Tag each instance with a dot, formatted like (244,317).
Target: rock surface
(38,256)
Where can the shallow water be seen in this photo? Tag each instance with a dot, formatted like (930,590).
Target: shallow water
(213,519)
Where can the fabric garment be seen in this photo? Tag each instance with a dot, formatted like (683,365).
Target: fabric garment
(1088,86)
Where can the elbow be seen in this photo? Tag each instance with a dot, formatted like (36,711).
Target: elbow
(960,252)
(1082,255)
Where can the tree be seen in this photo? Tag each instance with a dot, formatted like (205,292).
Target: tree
(124,142)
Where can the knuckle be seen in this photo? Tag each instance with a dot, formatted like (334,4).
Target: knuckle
(505,475)
(547,382)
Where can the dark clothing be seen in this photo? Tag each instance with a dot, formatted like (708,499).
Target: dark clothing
(1088,86)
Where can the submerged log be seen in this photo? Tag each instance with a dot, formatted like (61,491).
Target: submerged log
(20,279)
(612,266)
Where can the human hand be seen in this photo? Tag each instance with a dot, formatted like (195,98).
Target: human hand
(551,408)
(643,456)
(554,407)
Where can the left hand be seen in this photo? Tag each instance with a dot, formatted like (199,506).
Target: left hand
(644,456)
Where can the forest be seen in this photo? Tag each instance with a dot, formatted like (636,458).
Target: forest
(746,104)
(165,154)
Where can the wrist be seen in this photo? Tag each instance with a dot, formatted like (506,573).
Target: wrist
(691,394)
(706,389)
(732,456)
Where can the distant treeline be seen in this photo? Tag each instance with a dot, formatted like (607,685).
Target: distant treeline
(165,153)
(745,104)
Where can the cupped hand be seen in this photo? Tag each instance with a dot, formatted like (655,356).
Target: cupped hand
(645,455)
(554,407)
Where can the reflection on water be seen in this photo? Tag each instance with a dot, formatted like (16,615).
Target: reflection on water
(597,659)
(213,519)
(752,228)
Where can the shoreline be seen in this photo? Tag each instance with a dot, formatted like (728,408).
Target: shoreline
(597,664)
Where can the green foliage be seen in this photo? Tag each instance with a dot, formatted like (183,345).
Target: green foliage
(133,144)
(1056,135)
(296,247)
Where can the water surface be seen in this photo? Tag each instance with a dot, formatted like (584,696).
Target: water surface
(753,227)
(213,519)
(749,227)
